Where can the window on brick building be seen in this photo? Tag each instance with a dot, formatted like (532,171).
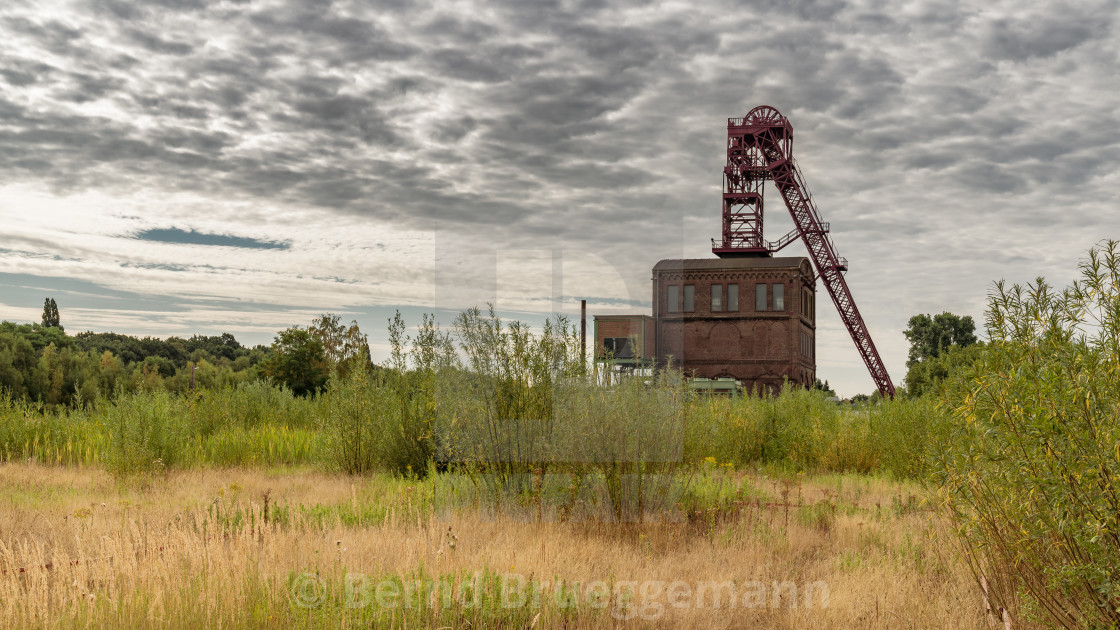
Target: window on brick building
(689,298)
(779,297)
(760,297)
(672,299)
(732,297)
(806,344)
(618,347)
(717,297)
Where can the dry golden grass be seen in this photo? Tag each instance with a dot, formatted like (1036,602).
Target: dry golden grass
(170,552)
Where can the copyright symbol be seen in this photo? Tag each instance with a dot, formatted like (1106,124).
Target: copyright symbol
(308,590)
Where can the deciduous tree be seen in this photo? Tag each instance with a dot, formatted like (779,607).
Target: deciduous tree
(346,347)
(934,342)
(930,336)
(299,361)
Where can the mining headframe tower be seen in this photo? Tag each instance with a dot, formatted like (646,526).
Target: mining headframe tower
(747,316)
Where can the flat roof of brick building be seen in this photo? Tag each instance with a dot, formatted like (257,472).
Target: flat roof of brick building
(730,263)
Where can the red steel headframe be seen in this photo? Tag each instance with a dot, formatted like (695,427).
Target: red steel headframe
(760,147)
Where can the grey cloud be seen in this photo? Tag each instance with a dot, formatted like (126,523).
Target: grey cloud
(454,29)
(122,62)
(11,112)
(91,88)
(455,129)
(941,17)
(119,8)
(55,36)
(125,10)
(935,160)
(988,177)
(476,67)
(352,118)
(197,141)
(959,99)
(1043,36)
(810,10)
(335,193)
(157,44)
(347,39)
(23,72)
(575,101)
(187,5)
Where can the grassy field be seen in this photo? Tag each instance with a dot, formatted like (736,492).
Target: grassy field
(250,507)
(280,548)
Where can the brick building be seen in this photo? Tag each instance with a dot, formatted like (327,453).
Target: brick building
(625,341)
(749,318)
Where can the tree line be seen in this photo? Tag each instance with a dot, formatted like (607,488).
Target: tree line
(42,363)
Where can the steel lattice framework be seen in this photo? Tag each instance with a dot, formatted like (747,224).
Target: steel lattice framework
(760,148)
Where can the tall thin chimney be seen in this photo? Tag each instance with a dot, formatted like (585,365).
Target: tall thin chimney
(583,333)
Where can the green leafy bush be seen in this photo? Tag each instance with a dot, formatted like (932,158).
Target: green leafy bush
(626,439)
(1031,468)
(385,419)
(148,432)
(801,430)
(496,406)
(355,421)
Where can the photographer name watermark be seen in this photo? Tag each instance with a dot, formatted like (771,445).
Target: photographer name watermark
(625,599)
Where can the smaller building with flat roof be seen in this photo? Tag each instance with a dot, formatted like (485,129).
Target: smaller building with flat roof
(625,341)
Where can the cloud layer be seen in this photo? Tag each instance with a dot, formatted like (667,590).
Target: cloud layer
(404,153)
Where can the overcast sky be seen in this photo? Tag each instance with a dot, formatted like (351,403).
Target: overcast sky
(191,166)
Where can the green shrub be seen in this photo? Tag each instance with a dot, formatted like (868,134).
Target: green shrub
(801,426)
(357,422)
(496,407)
(252,404)
(1031,468)
(801,430)
(903,432)
(148,432)
(629,436)
(726,429)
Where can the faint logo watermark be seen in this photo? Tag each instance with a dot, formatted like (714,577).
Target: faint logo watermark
(308,590)
(647,600)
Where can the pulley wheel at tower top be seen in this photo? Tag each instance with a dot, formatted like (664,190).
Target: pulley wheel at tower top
(764,115)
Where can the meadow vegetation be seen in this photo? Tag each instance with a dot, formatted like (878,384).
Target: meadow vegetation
(278,548)
(488,449)
(369,423)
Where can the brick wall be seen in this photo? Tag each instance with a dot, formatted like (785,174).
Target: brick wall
(759,347)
